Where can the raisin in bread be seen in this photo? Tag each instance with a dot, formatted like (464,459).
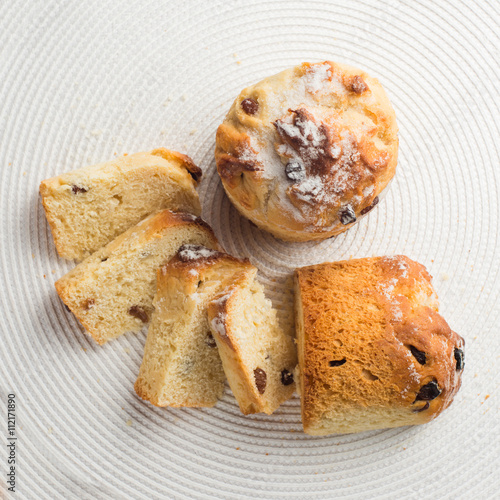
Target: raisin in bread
(111,292)
(181,364)
(258,356)
(89,207)
(373,350)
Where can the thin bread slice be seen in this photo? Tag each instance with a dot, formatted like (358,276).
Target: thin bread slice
(181,364)
(111,292)
(373,350)
(259,358)
(89,207)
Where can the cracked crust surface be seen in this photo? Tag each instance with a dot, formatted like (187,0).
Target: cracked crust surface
(307,152)
(373,350)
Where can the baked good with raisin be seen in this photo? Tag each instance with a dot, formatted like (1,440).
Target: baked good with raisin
(257,355)
(181,364)
(111,292)
(373,350)
(89,207)
(306,153)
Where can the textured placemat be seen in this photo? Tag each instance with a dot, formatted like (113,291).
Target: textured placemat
(82,81)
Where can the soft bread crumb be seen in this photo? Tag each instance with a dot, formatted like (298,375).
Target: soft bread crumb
(258,357)
(111,292)
(89,207)
(181,365)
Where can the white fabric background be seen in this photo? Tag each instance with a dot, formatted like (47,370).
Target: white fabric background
(81,81)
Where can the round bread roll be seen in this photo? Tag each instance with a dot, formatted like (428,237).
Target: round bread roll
(306,153)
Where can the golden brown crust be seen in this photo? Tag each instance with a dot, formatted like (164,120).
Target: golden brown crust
(193,263)
(372,337)
(314,154)
(196,257)
(232,163)
(182,160)
(153,227)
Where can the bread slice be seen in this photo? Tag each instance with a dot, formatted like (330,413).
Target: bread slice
(257,355)
(181,365)
(89,207)
(111,292)
(373,350)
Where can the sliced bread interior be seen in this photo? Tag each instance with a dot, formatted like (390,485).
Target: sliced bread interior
(111,292)
(259,358)
(181,364)
(89,207)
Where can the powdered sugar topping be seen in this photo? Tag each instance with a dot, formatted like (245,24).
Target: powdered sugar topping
(309,126)
(195,252)
(317,76)
(387,290)
(187,216)
(310,189)
(218,322)
(329,163)
(399,263)
(368,190)
(305,132)
(249,153)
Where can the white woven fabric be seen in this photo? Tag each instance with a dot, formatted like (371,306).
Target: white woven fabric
(81,81)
